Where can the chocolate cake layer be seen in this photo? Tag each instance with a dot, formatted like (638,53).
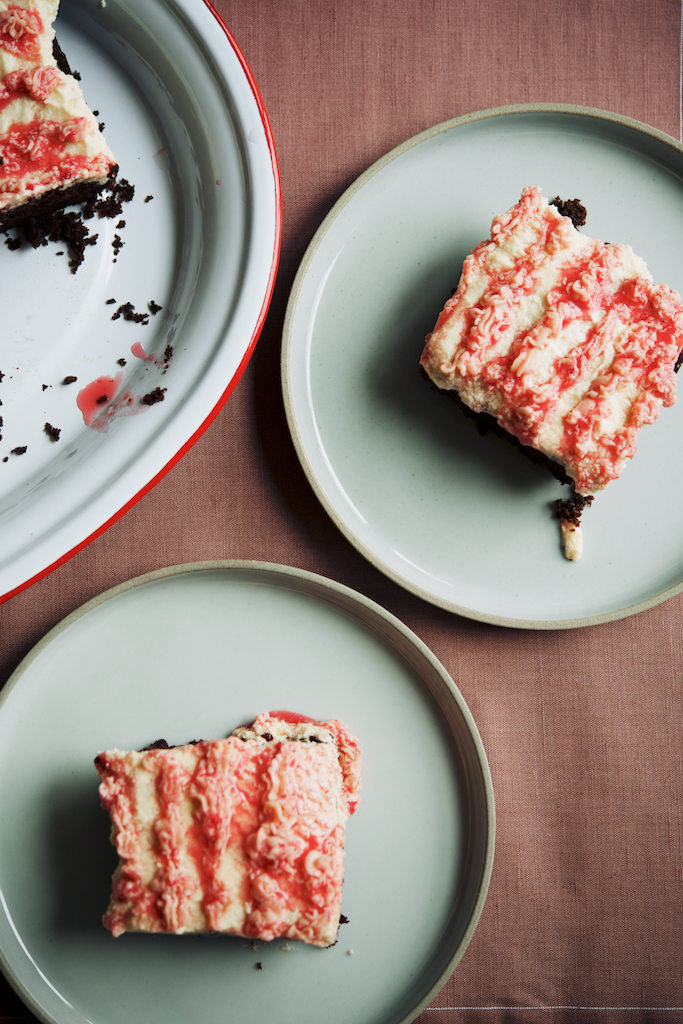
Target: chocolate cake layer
(487,423)
(34,213)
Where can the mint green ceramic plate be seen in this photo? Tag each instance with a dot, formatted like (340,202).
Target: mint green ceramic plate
(195,651)
(462,520)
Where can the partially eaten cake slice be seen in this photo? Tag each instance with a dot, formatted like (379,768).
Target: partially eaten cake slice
(563,341)
(243,835)
(52,152)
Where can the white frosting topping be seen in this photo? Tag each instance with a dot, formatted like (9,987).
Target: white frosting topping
(562,338)
(243,835)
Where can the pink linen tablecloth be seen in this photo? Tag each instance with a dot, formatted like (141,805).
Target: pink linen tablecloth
(583,729)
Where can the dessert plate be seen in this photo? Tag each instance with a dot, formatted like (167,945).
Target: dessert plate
(462,520)
(197,650)
(185,120)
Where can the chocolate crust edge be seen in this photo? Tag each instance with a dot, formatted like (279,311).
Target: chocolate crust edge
(485,422)
(44,205)
(60,58)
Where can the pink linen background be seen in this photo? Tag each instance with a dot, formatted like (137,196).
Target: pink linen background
(583,729)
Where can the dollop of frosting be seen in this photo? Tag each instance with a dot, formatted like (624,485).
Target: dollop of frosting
(20,29)
(37,83)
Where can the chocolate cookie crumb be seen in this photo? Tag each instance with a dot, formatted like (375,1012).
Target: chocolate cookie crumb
(13,243)
(102,399)
(69,380)
(59,226)
(571,208)
(154,307)
(571,509)
(52,432)
(157,395)
(19,451)
(127,311)
(343,919)
(259,965)
(111,205)
(5,459)
(110,302)
(121,362)
(45,387)
(148,198)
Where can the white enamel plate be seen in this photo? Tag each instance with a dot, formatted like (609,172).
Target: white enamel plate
(463,520)
(184,119)
(193,652)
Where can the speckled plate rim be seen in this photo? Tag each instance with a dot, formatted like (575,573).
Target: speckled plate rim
(382,623)
(287,346)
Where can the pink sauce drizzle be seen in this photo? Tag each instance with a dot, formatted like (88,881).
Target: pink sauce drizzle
(40,146)
(293,717)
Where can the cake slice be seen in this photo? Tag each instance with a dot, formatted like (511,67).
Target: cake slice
(243,835)
(561,340)
(52,152)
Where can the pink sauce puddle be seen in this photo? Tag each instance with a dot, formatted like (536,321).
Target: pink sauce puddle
(100,404)
(293,717)
(92,399)
(138,351)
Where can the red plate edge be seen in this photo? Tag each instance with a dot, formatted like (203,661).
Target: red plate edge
(245,359)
